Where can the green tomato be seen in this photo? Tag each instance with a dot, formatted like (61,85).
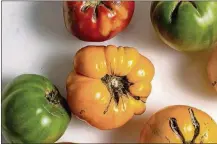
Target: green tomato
(33,111)
(185,25)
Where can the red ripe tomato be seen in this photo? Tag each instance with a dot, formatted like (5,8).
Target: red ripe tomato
(97,20)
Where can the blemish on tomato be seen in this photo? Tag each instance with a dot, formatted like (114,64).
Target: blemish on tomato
(214,83)
(82,112)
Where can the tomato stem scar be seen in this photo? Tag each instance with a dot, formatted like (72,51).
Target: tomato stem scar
(196,125)
(117,86)
(175,128)
(94,4)
(52,97)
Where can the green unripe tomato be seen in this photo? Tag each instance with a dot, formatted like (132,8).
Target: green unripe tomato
(33,111)
(185,25)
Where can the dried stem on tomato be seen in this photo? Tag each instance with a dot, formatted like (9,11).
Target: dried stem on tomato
(195,124)
(118,86)
(175,128)
(52,96)
(95,4)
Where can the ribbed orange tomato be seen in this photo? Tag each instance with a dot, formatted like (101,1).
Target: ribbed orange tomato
(109,85)
(180,124)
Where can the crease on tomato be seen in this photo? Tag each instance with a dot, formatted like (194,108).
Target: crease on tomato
(90,61)
(143,71)
(120,60)
(142,89)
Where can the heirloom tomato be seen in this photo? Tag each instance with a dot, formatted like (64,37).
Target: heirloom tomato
(109,85)
(185,25)
(212,69)
(33,111)
(97,20)
(179,124)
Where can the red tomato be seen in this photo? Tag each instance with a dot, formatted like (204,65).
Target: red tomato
(97,20)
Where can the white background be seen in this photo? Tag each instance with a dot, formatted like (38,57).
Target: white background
(34,40)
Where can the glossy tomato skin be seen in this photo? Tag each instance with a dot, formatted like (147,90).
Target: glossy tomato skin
(97,22)
(27,115)
(187,26)
(99,72)
(179,124)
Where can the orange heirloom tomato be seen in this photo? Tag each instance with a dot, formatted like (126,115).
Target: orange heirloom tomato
(179,124)
(109,85)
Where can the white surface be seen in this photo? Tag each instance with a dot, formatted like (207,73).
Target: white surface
(36,41)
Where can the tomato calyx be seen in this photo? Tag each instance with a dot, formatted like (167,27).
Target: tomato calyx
(118,86)
(52,97)
(175,127)
(94,4)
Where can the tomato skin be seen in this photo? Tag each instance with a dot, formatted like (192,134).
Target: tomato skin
(190,28)
(212,69)
(93,66)
(102,89)
(99,21)
(27,115)
(88,99)
(191,122)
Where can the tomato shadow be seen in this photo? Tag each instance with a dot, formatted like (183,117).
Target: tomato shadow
(192,75)
(57,69)
(130,132)
(5,81)
(47,21)
(3,139)
(141,32)
(190,71)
